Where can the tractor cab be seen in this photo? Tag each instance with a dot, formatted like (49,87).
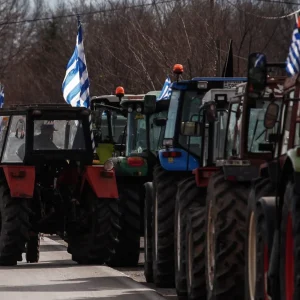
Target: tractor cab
(250,140)
(192,102)
(136,125)
(33,134)
(146,122)
(108,125)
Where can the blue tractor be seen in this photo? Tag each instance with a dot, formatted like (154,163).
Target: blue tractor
(181,153)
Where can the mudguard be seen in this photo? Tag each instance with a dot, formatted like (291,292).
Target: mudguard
(21,180)
(102,182)
(202,175)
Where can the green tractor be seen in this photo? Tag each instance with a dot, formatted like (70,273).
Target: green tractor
(144,134)
(108,125)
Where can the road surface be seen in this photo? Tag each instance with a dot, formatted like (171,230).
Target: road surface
(56,277)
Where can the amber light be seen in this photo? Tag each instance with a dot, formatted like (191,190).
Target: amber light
(178,69)
(135,161)
(120,92)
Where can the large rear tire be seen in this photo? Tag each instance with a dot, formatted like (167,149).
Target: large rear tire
(225,243)
(165,188)
(15,226)
(93,239)
(188,195)
(259,240)
(195,254)
(128,249)
(290,245)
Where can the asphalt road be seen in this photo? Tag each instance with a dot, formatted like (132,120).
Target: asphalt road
(56,277)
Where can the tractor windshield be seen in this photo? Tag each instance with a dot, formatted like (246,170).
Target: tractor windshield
(257,133)
(172,114)
(58,135)
(191,103)
(48,135)
(136,133)
(108,126)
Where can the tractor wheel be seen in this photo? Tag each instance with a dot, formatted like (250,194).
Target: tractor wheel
(260,230)
(290,245)
(165,188)
(148,208)
(128,249)
(94,238)
(188,195)
(33,249)
(225,242)
(195,254)
(15,226)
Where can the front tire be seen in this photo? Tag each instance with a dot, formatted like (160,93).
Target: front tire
(165,188)
(33,249)
(259,240)
(195,254)
(93,239)
(128,249)
(226,217)
(148,210)
(188,196)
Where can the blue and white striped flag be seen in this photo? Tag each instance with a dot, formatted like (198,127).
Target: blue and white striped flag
(1,95)
(166,90)
(293,59)
(76,84)
(259,60)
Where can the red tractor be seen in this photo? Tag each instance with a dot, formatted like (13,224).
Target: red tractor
(249,151)
(273,227)
(49,185)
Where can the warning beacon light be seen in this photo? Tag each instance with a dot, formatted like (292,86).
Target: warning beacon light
(178,69)
(120,92)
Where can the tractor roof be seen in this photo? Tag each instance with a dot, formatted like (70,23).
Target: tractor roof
(218,95)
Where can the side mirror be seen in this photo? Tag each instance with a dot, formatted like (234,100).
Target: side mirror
(149,104)
(160,122)
(211,114)
(191,128)
(271,115)
(257,75)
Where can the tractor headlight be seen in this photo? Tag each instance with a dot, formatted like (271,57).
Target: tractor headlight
(139,109)
(108,165)
(130,109)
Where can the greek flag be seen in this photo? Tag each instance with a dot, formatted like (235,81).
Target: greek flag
(166,90)
(76,84)
(259,60)
(293,59)
(1,95)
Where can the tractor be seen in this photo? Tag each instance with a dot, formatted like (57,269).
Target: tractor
(179,156)
(272,246)
(207,128)
(249,151)
(49,184)
(144,133)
